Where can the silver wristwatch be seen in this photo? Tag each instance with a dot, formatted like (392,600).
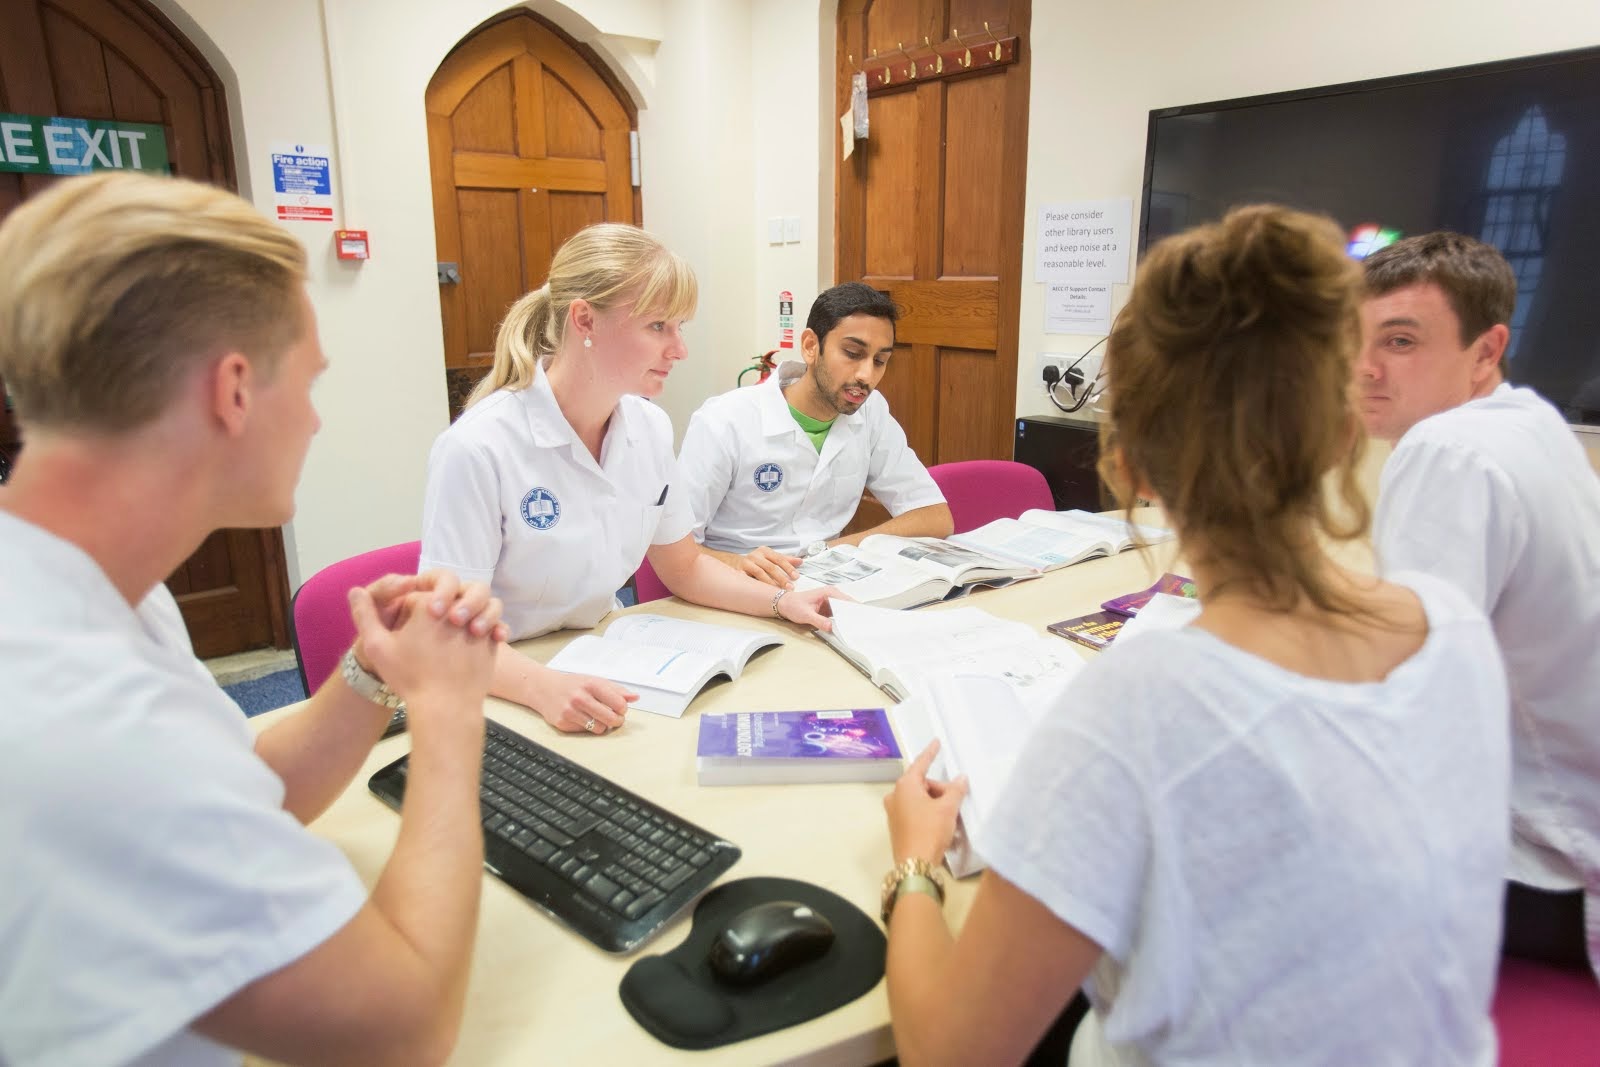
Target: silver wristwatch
(367,684)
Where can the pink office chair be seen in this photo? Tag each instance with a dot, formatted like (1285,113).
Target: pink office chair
(646,585)
(982,490)
(322,625)
(1546,1016)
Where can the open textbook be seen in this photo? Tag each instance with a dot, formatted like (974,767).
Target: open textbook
(1045,540)
(982,723)
(903,572)
(900,651)
(666,661)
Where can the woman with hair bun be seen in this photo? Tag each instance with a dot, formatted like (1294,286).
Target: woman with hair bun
(1277,835)
(559,478)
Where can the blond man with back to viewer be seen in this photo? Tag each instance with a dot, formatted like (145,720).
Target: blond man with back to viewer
(1489,488)
(163,902)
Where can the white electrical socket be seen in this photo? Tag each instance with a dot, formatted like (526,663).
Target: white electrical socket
(1058,360)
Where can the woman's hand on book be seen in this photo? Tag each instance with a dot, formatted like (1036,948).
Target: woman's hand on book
(809,607)
(922,810)
(579,703)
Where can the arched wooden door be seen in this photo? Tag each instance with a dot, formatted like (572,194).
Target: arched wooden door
(528,143)
(122,60)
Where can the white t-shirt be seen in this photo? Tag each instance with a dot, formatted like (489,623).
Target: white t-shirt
(1276,866)
(150,869)
(754,478)
(1497,497)
(515,499)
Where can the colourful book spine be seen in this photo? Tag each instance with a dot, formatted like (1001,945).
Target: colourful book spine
(1129,603)
(854,733)
(1096,631)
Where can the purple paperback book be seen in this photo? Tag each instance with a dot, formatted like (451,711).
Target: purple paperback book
(747,747)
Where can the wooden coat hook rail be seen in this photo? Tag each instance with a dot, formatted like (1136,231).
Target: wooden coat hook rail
(956,55)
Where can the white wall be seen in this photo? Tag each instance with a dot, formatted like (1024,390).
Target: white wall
(698,173)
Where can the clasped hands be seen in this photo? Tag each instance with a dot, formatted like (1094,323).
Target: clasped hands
(428,633)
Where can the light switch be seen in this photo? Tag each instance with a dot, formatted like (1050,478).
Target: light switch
(791,230)
(775,230)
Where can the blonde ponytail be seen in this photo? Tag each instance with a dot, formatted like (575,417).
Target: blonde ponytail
(524,338)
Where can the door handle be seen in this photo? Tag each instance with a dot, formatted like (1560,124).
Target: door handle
(449,273)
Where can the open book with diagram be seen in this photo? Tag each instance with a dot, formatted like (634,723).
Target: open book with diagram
(1046,540)
(904,572)
(666,661)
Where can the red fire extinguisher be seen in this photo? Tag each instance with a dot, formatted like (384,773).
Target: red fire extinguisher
(765,364)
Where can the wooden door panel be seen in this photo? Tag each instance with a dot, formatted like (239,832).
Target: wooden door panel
(133,98)
(930,210)
(121,59)
(968,16)
(970,421)
(911,389)
(527,144)
(571,212)
(484,121)
(975,163)
(958,312)
(487,216)
(570,128)
(888,245)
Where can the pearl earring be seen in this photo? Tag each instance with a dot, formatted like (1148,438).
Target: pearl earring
(588,342)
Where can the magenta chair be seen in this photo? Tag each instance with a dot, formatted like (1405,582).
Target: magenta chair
(982,490)
(322,625)
(1545,1016)
(646,586)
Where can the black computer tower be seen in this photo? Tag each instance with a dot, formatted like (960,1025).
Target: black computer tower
(1065,451)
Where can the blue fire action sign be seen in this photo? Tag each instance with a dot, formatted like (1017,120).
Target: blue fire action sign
(302,179)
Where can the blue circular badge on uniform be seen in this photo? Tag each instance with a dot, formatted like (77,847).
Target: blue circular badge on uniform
(540,508)
(768,477)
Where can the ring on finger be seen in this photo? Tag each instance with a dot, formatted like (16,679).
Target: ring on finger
(590,725)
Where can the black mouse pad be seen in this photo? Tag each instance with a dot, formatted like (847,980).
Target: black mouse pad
(677,998)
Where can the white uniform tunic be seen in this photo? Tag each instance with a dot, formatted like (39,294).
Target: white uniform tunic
(515,499)
(754,477)
(1281,869)
(1498,497)
(150,871)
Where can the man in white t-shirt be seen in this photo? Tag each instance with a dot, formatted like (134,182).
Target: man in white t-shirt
(1489,488)
(163,902)
(774,470)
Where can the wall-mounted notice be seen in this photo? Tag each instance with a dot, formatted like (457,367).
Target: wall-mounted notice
(1077,307)
(1084,241)
(302,182)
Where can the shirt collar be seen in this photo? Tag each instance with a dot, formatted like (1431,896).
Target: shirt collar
(550,428)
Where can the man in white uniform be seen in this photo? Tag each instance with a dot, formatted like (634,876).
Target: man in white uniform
(774,470)
(163,902)
(1489,488)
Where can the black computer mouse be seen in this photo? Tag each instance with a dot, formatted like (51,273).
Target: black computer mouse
(768,940)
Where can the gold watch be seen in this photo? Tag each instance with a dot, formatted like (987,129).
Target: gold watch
(912,875)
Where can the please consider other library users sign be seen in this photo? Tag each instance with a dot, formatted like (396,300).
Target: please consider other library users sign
(41,144)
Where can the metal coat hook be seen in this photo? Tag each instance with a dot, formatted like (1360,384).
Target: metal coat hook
(966,53)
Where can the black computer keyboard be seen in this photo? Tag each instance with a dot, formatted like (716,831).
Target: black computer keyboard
(609,864)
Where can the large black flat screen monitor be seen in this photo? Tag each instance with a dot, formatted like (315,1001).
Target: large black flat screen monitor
(1507,152)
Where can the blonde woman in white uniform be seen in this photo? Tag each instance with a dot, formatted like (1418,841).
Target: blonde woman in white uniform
(559,478)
